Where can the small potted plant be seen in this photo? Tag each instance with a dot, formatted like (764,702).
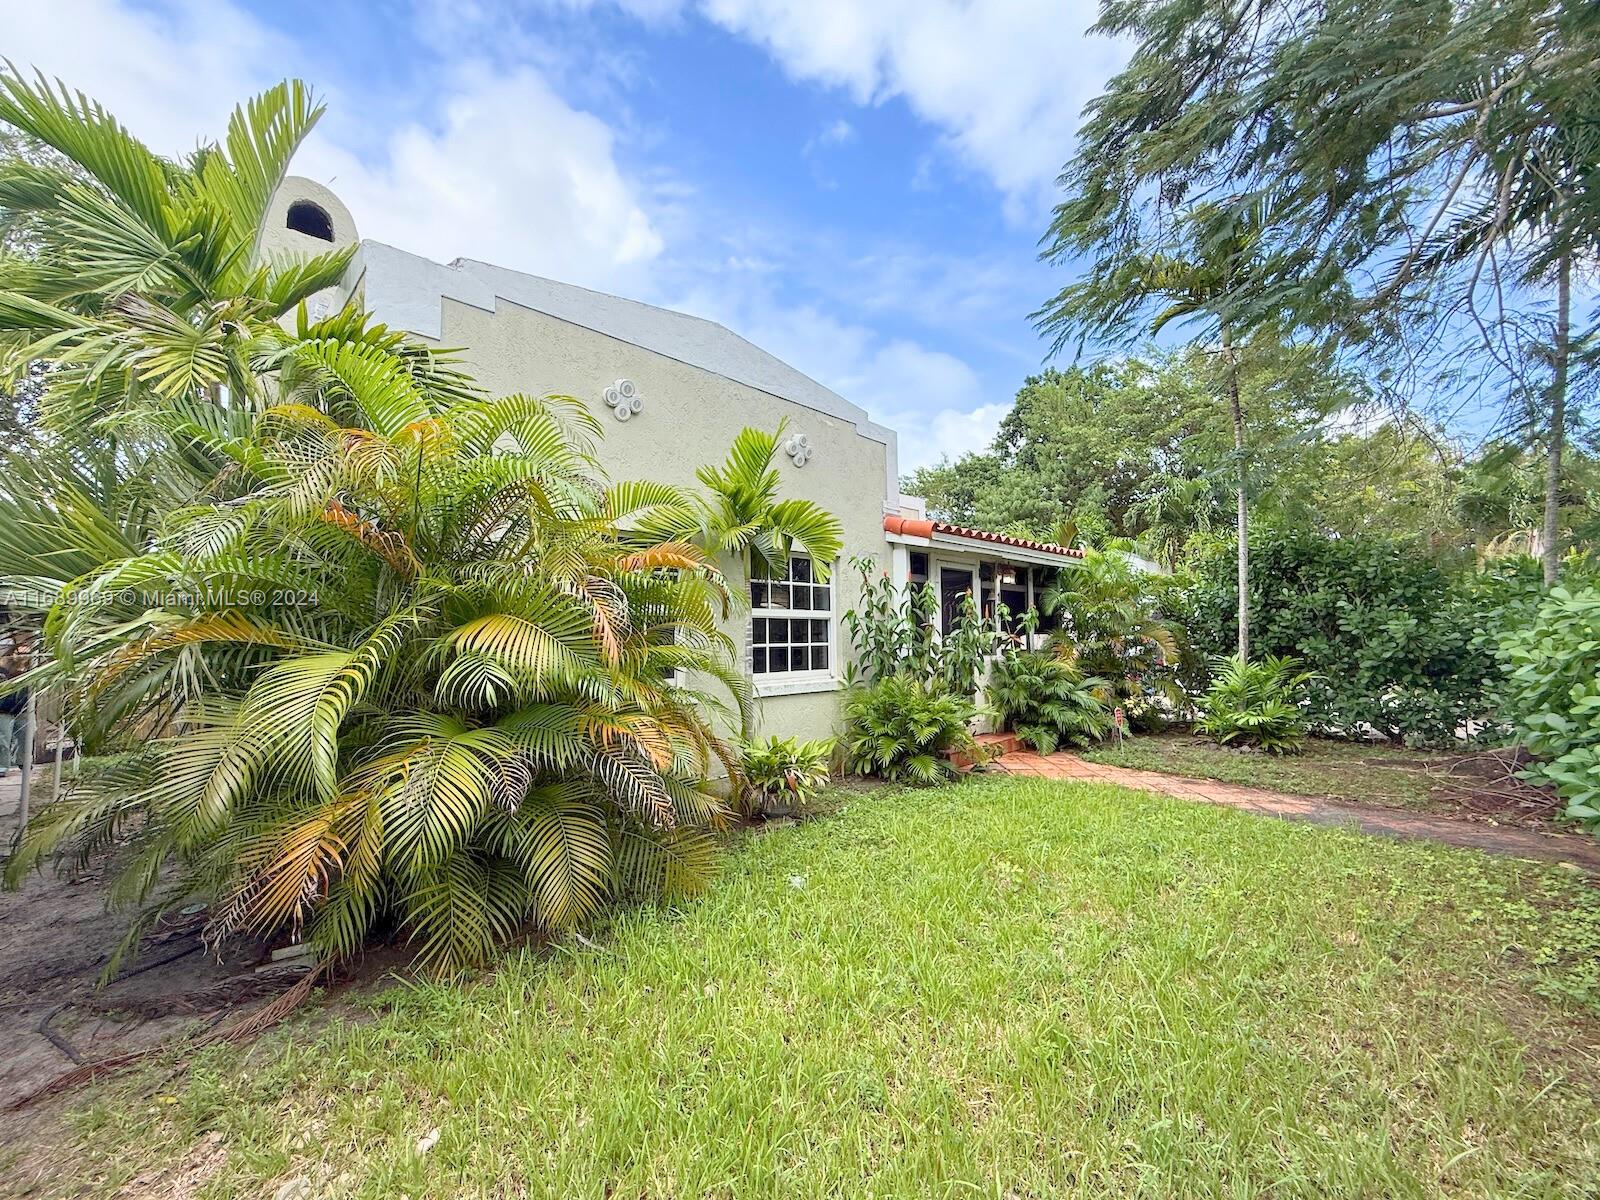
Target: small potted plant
(783,774)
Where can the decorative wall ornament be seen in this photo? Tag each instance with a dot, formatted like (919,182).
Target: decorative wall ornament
(623,399)
(798,447)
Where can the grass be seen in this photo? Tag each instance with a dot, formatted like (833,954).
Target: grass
(1342,770)
(1004,988)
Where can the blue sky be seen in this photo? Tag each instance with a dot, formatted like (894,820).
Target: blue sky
(858,187)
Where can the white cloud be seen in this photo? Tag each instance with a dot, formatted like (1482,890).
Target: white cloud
(835,134)
(933,400)
(497,165)
(169,73)
(509,174)
(1005,81)
(950,434)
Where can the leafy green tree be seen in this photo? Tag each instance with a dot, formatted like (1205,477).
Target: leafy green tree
(1434,158)
(1503,493)
(1392,635)
(1214,268)
(1142,448)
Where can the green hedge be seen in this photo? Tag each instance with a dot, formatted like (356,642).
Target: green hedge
(1394,637)
(1551,694)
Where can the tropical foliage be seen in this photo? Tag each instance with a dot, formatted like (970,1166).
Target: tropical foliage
(1111,626)
(891,627)
(1551,695)
(965,648)
(1256,704)
(355,647)
(905,730)
(785,773)
(738,513)
(1047,702)
(892,631)
(142,285)
(413,678)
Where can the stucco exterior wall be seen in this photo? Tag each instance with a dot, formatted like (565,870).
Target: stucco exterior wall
(689,417)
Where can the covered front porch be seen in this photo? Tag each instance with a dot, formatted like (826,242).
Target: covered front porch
(1007,575)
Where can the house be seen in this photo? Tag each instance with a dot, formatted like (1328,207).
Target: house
(672,390)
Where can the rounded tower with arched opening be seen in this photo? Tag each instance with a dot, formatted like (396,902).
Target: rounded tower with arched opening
(307,218)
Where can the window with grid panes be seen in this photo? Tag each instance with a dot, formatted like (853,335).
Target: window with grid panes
(791,623)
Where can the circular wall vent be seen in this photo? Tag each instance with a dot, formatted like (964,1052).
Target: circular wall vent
(623,399)
(799,448)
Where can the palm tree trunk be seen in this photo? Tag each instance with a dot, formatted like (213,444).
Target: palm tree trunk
(1558,424)
(1231,367)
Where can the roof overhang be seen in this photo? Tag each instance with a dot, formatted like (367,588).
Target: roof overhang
(910,531)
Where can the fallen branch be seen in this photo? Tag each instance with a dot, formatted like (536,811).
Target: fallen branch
(54,1038)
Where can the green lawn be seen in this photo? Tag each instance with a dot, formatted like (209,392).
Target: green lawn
(1004,988)
(1342,770)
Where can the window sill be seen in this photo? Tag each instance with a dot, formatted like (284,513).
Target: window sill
(795,685)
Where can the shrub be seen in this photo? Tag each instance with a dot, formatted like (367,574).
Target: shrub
(1048,702)
(786,773)
(965,648)
(449,707)
(1551,695)
(892,633)
(1390,632)
(1257,704)
(891,629)
(903,729)
(1116,625)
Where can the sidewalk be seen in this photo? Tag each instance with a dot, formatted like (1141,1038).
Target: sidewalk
(1572,849)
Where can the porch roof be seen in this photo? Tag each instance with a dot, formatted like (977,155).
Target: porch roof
(927,532)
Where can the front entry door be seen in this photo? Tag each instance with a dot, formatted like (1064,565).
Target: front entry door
(954,583)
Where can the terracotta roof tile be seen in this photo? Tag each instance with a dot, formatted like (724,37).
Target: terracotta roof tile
(909,527)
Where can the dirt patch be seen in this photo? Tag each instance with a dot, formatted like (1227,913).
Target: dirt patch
(1576,851)
(1484,786)
(1478,786)
(56,937)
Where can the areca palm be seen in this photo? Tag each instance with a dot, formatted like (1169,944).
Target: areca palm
(416,677)
(738,513)
(146,274)
(144,289)
(1111,627)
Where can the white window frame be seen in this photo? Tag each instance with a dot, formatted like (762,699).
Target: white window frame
(788,683)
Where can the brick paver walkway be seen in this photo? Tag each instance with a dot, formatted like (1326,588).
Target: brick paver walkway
(1577,850)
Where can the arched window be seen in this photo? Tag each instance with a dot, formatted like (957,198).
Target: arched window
(309,219)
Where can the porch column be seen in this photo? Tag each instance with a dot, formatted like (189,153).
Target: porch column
(900,567)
